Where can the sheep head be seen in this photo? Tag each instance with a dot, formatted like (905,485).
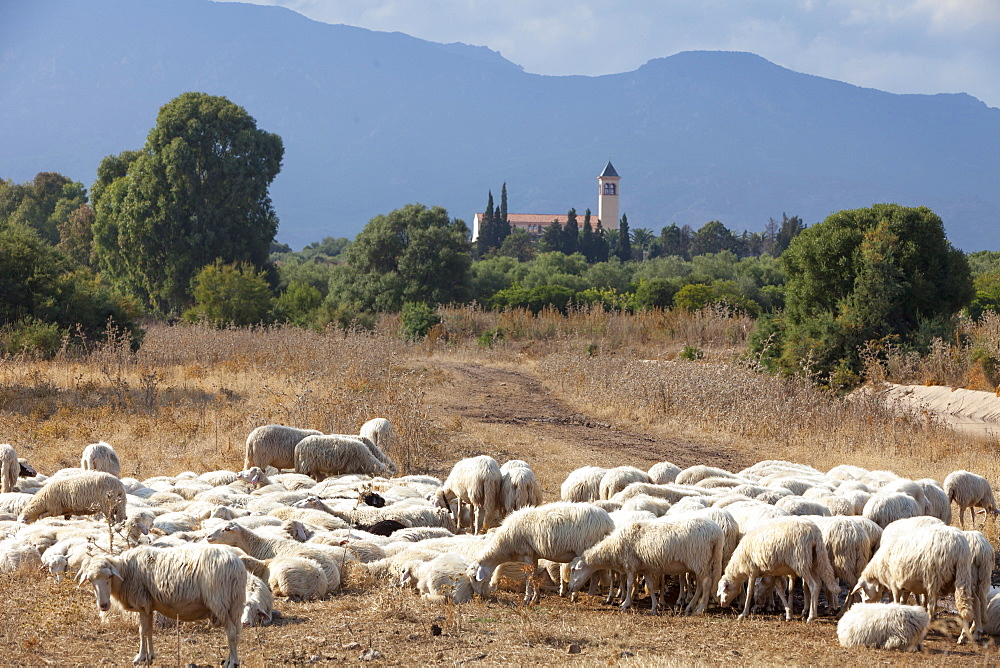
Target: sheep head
(98,572)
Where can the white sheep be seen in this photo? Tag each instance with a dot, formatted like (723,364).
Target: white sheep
(375,451)
(185,583)
(663,472)
(259,607)
(10,468)
(849,545)
(644,502)
(652,549)
(444,578)
(932,560)
(379,431)
(936,503)
(100,457)
(983,560)
(295,578)
(323,455)
(671,492)
(786,546)
(693,474)
(583,484)
(79,494)
(518,487)
(259,547)
(555,531)
(884,508)
(969,490)
(475,481)
(618,479)
(884,626)
(274,445)
(991,623)
(799,505)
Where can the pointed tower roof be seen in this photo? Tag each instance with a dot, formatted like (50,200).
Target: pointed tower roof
(609,170)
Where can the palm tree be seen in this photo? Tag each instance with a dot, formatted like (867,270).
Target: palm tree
(642,237)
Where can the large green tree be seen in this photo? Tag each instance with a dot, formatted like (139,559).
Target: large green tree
(196,192)
(414,254)
(886,272)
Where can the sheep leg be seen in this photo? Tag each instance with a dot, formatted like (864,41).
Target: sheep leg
(630,589)
(785,592)
(814,588)
(746,606)
(651,586)
(233,636)
(961,518)
(145,655)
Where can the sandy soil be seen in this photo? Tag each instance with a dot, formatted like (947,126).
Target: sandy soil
(971,411)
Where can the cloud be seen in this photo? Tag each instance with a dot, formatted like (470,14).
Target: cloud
(902,46)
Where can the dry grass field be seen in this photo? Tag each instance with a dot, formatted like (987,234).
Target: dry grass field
(560,393)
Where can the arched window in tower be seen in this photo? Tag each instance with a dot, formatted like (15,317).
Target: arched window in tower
(609,189)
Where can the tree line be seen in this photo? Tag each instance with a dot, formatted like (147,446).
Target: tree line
(183,227)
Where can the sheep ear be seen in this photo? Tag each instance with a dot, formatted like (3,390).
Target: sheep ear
(116,574)
(480,573)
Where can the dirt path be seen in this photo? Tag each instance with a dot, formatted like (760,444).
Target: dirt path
(511,414)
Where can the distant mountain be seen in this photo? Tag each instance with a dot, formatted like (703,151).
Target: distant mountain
(372,121)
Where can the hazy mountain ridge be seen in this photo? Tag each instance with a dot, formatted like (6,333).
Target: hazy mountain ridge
(372,121)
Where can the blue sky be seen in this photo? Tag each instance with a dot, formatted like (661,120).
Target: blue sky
(900,46)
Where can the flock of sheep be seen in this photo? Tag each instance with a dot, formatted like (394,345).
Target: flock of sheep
(223,544)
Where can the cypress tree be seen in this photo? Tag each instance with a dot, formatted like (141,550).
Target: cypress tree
(571,234)
(587,238)
(487,230)
(624,240)
(502,224)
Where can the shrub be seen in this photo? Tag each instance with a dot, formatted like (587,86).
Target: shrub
(230,294)
(418,318)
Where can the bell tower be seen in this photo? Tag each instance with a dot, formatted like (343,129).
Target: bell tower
(607,197)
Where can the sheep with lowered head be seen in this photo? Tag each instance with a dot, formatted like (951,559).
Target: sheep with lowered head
(619,478)
(558,532)
(583,484)
(79,494)
(444,578)
(186,583)
(884,626)
(274,445)
(10,468)
(475,481)
(518,487)
(295,578)
(933,560)
(100,457)
(969,490)
(323,455)
(786,547)
(259,607)
(378,431)
(654,548)
(663,472)
(885,508)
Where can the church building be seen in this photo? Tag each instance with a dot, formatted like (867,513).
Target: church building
(535,223)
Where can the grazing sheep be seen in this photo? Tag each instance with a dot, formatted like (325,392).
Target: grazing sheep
(884,626)
(444,578)
(477,482)
(749,514)
(79,494)
(936,503)
(274,445)
(849,545)
(100,457)
(583,484)
(260,547)
(969,490)
(693,474)
(883,509)
(933,560)
(555,531)
(799,505)
(374,450)
(663,472)
(259,607)
(295,578)
(185,583)
(518,487)
(787,546)
(618,479)
(672,492)
(320,456)
(651,549)
(10,469)
(983,560)
(379,431)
